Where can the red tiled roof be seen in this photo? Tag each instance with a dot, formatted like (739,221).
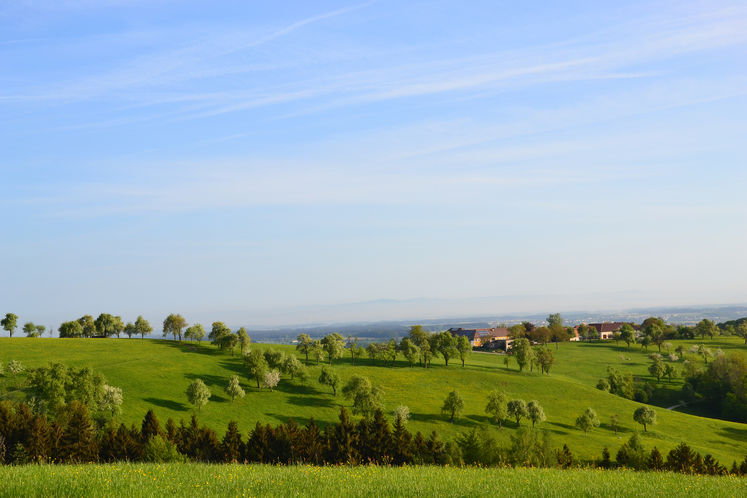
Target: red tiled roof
(494,332)
(607,326)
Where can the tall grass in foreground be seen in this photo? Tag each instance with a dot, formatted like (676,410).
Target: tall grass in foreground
(266,480)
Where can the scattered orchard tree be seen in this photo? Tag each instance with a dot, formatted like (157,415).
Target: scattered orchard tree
(198,393)
(367,398)
(453,405)
(645,416)
(15,368)
(271,380)
(522,351)
(111,400)
(464,348)
(304,345)
(497,407)
(256,364)
(317,351)
(517,408)
(706,327)
(330,378)
(244,340)
(446,345)
(588,420)
(409,350)
(535,412)
(657,369)
(402,413)
(333,345)
(355,350)
(292,366)
(615,422)
(545,358)
(218,333)
(234,388)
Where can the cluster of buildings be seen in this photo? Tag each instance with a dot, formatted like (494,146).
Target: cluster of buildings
(498,337)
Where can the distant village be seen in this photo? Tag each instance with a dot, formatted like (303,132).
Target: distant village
(499,338)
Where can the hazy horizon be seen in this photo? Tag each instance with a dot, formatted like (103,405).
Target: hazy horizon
(329,161)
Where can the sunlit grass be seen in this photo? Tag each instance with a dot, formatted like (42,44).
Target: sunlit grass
(155,373)
(259,480)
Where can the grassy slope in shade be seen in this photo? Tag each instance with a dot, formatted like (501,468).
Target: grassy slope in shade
(256,480)
(155,374)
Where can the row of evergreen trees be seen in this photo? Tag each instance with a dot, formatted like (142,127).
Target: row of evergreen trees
(72,437)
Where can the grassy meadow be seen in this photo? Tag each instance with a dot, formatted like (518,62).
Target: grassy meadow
(261,480)
(155,374)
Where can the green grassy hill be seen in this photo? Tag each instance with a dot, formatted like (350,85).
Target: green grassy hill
(155,373)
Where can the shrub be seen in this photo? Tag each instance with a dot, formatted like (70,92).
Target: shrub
(158,450)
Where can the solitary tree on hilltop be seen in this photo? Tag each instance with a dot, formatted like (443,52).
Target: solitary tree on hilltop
(9,323)
(218,333)
(195,332)
(29,329)
(88,325)
(105,324)
(173,324)
(143,327)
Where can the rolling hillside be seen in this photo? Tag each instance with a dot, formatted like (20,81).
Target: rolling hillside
(155,373)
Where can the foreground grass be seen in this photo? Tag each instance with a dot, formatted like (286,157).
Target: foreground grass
(262,480)
(155,374)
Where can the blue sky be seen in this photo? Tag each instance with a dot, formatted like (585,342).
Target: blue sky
(287,162)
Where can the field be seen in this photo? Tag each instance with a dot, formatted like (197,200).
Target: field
(155,373)
(257,480)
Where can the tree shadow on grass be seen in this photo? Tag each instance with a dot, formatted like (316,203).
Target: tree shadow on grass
(234,366)
(167,403)
(561,428)
(290,387)
(480,419)
(310,401)
(734,433)
(192,347)
(427,417)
